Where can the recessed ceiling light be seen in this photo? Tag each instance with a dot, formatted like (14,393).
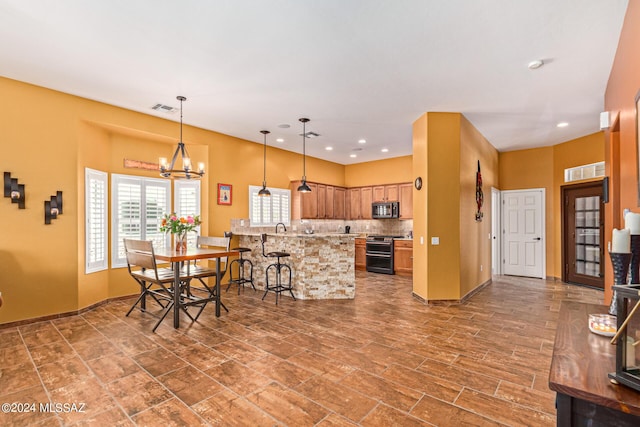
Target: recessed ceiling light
(352,155)
(562,124)
(385,150)
(279,140)
(328,148)
(284,126)
(362,141)
(534,65)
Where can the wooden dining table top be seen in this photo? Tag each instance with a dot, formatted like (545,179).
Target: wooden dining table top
(171,255)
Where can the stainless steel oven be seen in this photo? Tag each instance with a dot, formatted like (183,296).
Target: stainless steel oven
(379,253)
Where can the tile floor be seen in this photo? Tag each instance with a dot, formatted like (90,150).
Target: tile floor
(382,359)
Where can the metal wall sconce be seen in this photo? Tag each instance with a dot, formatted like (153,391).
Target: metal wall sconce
(53,207)
(14,190)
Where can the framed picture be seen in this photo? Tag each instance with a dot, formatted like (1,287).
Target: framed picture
(224,194)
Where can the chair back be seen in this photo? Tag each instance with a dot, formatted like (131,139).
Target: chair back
(263,239)
(139,253)
(216,242)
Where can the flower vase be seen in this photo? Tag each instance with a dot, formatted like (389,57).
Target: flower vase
(181,242)
(620,262)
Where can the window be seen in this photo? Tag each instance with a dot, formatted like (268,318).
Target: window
(187,202)
(578,173)
(265,211)
(95,193)
(138,205)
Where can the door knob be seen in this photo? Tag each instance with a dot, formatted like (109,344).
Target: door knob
(537,238)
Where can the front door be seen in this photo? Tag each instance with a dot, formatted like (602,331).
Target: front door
(523,243)
(582,234)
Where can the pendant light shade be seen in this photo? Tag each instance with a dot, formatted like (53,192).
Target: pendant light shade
(264,192)
(304,188)
(169,170)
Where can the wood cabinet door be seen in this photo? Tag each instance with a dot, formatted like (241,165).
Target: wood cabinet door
(310,202)
(406,200)
(339,203)
(391,193)
(361,254)
(322,201)
(329,203)
(378,193)
(366,198)
(403,257)
(354,203)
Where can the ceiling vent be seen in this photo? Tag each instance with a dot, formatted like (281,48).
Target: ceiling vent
(164,108)
(311,134)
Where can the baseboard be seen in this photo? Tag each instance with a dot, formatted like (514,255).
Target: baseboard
(62,315)
(453,301)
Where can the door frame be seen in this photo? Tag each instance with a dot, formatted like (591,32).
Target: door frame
(563,229)
(543,229)
(496,235)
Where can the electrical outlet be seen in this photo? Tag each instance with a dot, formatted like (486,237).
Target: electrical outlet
(242,223)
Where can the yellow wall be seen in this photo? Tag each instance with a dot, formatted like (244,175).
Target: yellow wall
(388,171)
(446,149)
(50,137)
(544,168)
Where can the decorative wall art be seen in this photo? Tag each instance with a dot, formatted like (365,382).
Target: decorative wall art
(224,194)
(14,190)
(479,194)
(53,207)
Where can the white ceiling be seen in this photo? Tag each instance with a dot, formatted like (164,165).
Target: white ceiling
(357,68)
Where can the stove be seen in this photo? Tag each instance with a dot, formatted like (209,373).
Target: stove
(379,253)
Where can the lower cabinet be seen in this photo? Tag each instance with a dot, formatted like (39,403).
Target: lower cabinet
(403,257)
(361,253)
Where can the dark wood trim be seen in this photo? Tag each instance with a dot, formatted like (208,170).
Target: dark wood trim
(66,314)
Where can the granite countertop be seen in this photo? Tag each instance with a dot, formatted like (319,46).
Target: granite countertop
(299,234)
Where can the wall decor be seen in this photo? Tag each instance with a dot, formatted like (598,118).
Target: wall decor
(224,194)
(53,207)
(14,190)
(479,195)
(139,164)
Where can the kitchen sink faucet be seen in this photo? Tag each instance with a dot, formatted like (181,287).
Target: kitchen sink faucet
(283,226)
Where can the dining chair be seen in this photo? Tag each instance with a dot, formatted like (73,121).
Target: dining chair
(202,273)
(158,283)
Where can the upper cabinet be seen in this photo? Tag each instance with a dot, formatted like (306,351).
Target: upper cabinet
(385,193)
(329,202)
(406,200)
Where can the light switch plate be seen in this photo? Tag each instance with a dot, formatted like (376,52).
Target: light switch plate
(435,240)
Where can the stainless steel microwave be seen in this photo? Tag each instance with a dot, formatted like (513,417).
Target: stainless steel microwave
(385,210)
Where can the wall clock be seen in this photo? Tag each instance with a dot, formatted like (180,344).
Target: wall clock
(418,183)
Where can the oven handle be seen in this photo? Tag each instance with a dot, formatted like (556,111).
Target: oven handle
(378,254)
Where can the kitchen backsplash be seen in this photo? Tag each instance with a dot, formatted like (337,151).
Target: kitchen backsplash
(394,227)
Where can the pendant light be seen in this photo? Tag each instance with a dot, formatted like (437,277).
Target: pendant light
(304,188)
(168,170)
(264,192)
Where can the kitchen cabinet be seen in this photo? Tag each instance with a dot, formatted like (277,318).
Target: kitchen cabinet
(353,194)
(304,205)
(385,193)
(322,201)
(366,198)
(329,209)
(361,254)
(406,200)
(403,257)
(339,195)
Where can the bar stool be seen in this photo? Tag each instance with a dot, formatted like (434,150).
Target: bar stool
(278,266)
(241,279)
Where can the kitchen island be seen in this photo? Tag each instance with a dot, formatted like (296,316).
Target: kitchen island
(322,264)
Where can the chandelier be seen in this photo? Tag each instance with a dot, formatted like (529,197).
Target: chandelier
(169,170)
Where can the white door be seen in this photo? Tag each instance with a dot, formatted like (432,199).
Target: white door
(523,239)
(496,215)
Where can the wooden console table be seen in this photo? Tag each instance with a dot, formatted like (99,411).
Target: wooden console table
(579,368)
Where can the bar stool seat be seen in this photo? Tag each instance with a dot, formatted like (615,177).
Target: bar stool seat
(277,268)
(241,279)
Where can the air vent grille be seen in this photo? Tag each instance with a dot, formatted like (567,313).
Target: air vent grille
(164,108)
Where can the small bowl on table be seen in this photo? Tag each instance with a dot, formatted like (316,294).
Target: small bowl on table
(603,324)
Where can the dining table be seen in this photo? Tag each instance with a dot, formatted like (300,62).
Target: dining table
(178,259)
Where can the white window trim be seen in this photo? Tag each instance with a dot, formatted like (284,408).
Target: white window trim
(143,182)
(275,192)
(178,186)
(102,177)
